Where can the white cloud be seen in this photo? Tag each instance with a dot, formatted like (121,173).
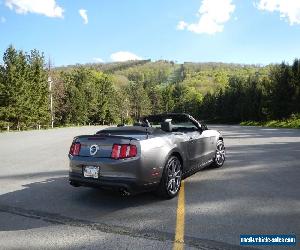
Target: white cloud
(288,9)
(83,14)
(123,56)
(2,19)
(98,60)
(181,25)
(212,16)
(48,8)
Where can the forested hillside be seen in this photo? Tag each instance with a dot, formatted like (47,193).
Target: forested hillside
(123,92)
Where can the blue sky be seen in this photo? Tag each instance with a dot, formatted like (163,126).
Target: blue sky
(238,31)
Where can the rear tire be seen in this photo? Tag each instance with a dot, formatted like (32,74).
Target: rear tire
(219,158)
(171,179)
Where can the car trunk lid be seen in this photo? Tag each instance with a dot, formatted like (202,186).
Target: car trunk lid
(100,146)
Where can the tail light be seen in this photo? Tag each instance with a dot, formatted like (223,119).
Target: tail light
(122,151)
(75,148)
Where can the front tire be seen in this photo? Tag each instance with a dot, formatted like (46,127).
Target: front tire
(171,179)
(219,158)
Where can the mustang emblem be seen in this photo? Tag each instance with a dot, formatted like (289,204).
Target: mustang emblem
(93,149)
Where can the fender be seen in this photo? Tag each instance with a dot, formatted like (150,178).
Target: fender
(182,158)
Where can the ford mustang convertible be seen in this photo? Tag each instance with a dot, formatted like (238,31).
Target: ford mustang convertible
(154,154)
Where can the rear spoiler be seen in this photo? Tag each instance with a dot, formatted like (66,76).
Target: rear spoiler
(102,136)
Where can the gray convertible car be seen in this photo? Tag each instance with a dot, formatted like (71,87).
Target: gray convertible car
(154,154)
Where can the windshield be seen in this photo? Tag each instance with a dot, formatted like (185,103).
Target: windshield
(180,122)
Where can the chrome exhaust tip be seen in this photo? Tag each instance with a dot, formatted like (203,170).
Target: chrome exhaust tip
(124,192)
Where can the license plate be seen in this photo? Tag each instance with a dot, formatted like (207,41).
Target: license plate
(91,172)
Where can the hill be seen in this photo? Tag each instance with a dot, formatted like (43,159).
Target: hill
(125,91)
(205,77)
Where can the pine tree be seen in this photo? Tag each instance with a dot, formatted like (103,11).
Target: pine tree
(39,89)
(15,96)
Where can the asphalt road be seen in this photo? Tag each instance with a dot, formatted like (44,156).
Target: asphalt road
(257,191)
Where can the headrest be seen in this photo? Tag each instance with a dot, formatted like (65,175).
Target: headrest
(166,126)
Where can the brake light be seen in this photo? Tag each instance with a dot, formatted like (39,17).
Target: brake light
(115,153)
(133,151)
(122,151)
(75,148)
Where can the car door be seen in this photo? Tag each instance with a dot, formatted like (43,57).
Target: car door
(200,147)
(192,149)
(196,148)
(208,149)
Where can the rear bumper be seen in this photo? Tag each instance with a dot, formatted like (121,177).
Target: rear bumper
(129,174)
(110,182)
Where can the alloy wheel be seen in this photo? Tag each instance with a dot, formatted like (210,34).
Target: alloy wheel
(220,154)
(174,176)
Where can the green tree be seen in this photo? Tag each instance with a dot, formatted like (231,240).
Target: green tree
(296,85)
(168,102)
(38,86)
(281,91)
(155,97)
(88,97)
(208,107)
(105,111)
(24,89)
(140,103)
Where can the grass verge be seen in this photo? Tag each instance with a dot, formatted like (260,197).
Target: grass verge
(293,122)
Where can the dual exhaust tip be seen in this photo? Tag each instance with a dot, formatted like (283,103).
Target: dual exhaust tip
(122,191)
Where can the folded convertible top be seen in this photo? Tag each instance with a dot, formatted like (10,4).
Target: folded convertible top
(129,130)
